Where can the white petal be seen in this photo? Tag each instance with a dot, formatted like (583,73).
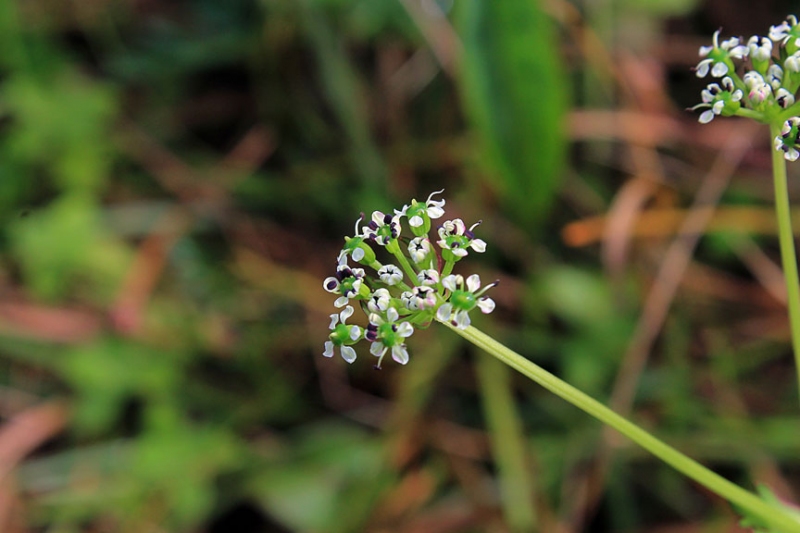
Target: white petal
(400,354)
(486,305)
(378,217)
(415,221)
(449,282)
(462,319)
(377,349)
(328,349)
(473,283)
(334,320)
(331,284)
(435,211)
(792,154)
(459,252)
(479,245)
(405,329)
(358,254)
(444,312)
(348,354)
(392,315)
(341,301)
(719,70)
(355,332)
(346,313)
(706,117)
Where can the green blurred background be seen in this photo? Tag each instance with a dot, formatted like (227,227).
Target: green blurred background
(176,178)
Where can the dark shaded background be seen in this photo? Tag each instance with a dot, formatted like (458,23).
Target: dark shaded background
(176,178)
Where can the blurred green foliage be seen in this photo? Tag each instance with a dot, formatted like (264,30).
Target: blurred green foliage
(175,182)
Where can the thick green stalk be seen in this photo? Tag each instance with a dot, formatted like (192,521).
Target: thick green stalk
(786,238)
(773,516)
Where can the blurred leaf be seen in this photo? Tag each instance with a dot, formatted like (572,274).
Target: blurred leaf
(346,98)
(515,89)
(312,489)
(61,121)
(110,371)
(65,248)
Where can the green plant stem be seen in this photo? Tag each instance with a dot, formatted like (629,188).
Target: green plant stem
(786,238)
(771,515)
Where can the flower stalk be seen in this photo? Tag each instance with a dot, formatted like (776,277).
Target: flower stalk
(774,516)
(786,239)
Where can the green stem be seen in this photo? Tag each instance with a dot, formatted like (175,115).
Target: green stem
(773,516)
(786,238)
(409,270)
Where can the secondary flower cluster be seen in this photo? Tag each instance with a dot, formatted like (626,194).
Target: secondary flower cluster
(766,89)
(411,291)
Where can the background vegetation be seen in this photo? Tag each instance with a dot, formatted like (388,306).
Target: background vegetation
(176,178)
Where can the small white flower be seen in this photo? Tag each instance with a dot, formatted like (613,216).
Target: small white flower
(354,246)
(386,334)
(715,56)
(463,300)
(455,237)
(428,276)
(759,48)
(783,32)
(792,63)
(347,283)
(419,248)
(382,228)
(379,301)
(775,76)
(342,333)
(784,98)
(787,140)
(759,93)
(419,298)
(716,98)
(416,210)
(390,274)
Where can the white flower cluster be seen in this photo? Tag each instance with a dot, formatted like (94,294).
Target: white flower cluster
(411,291)
(766,89)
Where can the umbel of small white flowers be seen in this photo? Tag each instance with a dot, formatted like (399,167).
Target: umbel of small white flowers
(759,79)
(411,290)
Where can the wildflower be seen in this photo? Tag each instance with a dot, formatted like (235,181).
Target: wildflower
(787,140)
(775,76)
(420,214)
(792,63)
(386,334)
(383,228)
(341,335)
(719,55)
(429,276)
(379,301)
(784,98)
(759,49)
(390,274)
(455,238)
(787,33)
(462,301)
(349,283)
(419,248)
(356,248)
(717,100)
(419,298)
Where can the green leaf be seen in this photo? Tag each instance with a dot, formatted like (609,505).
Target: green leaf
(514,89)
